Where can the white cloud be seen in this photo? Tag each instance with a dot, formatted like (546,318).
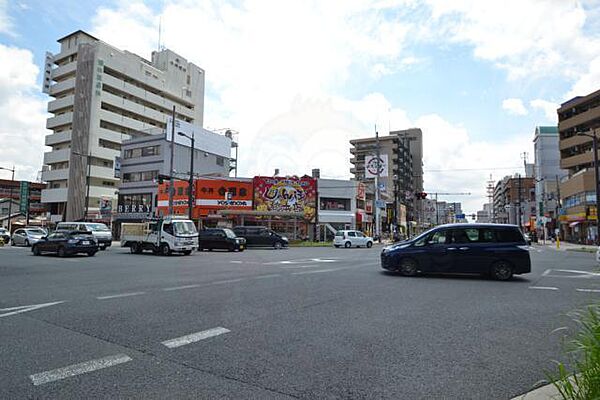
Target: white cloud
(514,106)
(549,108)
(588,82)
(6,25)
(22,114)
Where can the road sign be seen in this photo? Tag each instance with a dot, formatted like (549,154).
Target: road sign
(380,204)
(460,216)
(382,186)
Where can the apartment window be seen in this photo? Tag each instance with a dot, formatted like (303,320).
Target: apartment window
(140,176)
(328,203)
(108,183)
(107,144)
(142,152)
(220,161)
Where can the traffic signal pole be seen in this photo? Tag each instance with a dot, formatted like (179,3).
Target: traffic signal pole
(377,193)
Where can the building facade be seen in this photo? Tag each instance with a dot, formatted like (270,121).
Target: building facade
(547,175)
(337,206)
(578,219)
(485,215)
(102,96)
(25,198)
(514,201)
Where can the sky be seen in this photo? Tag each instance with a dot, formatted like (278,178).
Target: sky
(299,79)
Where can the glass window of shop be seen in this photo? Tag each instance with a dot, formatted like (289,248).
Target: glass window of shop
(330,203)
(140,176)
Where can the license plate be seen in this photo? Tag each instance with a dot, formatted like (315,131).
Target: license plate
(242,247)
(86,242)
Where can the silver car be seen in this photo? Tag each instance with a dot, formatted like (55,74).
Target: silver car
(27,236)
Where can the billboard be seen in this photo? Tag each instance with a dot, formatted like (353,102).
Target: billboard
(204,140)
(371,166)
(222,194)
(24,197)
(286,194)
(180,198)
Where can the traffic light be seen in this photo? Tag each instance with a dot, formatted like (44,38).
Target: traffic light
(421,195)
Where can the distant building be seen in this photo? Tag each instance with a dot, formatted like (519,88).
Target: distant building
(511,194)
(101,97)
(577,190)
(484,216)
(31,209)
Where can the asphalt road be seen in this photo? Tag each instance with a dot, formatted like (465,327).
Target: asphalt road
(311,323)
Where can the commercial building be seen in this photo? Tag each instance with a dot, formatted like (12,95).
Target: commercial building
(547,175)
(337,206)
(514,201)
(144,158)
(400,178)
(578,219)
(25,205)
(102,96)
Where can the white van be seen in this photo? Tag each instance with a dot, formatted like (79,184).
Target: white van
(100,231)
(352,238)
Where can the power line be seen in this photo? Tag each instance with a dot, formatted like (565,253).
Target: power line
(469,169)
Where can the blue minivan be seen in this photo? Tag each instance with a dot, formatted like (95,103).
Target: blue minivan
(496,250)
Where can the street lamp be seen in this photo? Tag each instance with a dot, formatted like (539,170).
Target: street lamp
(595,149)
(87,180)
(191,181)
(11,194)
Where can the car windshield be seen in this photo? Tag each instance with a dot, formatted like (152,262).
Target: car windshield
(184,227)
(339,233)
(97,227)
(229,233)
(36,232)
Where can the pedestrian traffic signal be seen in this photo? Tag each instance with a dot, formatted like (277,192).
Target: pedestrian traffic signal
(421,195)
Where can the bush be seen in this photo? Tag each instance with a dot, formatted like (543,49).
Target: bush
(583,352)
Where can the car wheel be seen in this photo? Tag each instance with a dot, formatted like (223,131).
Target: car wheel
(62,252)
(26,242)
(165,250)
(408,267)
(337,246)
(369,245)
(277,246)
(502,271)
(102,248)
(12,243)
(187,252)
(36,251)
(91,253)
(347,245)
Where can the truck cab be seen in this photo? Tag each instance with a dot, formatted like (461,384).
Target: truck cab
(162,236)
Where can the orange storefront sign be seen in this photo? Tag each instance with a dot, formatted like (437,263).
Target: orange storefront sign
(180,198)
(222,194)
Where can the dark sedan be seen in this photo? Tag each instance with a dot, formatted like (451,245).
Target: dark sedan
(65,243)
(499,251)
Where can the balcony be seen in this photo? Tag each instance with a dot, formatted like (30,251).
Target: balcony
(63,70)
(61,87)
(573,141)
(54,195)
(579,119)
(102,172)
(61,103)
(56,156)
(59,120)
(578,159)
(55,175)
(60,137)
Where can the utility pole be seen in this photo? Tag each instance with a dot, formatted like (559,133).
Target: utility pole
(191,178)
(558,205)
(10,200)
(377,193)
(171,181)
(87,183)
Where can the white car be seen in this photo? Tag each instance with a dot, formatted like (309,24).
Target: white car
(598,255)
(352,239)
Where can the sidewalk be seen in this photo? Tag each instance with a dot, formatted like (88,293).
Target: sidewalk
(565,246)
(546,392)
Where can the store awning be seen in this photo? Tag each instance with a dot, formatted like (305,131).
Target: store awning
(572,224)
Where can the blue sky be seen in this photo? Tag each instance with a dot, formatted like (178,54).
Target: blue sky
(477,78)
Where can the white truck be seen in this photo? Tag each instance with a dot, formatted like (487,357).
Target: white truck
(162,236)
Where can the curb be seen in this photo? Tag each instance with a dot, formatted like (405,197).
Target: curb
(546,392)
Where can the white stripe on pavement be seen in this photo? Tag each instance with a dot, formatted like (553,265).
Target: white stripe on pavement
(22,309)
(589,290)
(182,287)
(266,276)
(317,271)
(78,369)
(194,337)
(227,281)
(116,296)
(543,287)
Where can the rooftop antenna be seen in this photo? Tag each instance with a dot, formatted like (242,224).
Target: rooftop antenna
(159,31)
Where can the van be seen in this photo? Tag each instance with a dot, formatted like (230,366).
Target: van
(260,236)
(496,250)
(101,232)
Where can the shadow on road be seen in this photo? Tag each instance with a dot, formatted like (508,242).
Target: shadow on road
(450,276)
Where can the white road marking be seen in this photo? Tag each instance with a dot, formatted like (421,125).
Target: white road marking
(546,272)
(194,337)
(116,296)
(267,276)
(22,309)
(589,290)
(301,266)
(317,271)
(577,274)
(182,287)
(227,281)
(236,262)
(543,287)
(78,369)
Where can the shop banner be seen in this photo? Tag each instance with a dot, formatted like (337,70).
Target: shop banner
(371,165)
(286,194)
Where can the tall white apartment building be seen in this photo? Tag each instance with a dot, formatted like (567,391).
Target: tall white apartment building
(102,96)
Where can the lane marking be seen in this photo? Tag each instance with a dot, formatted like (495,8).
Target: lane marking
(78,369)
(183,287)
(575,274)
(116,296)
(22,309)
(227,281)
(236,262)
(301,266)
(546,272)
(194,337)
(543,287)
(266,276)
(317,271)
(589,290)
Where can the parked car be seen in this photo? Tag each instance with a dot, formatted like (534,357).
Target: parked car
(65,243)
(100,231)
(598,255)
(351,238)
(491,249)
(4,235)
(220,238)
(26,236)
(259,236)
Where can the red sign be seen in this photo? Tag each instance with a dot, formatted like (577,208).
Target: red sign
(180,198)
(361,191)
(222,194)
(286,194)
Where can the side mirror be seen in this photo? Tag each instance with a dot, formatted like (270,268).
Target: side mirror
(44,237)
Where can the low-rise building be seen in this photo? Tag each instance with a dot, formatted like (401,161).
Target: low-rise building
(514,201)
(337,206)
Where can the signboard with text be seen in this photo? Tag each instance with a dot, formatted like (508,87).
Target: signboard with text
(372,163)
(286,194)
(222,194)
(24,197)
